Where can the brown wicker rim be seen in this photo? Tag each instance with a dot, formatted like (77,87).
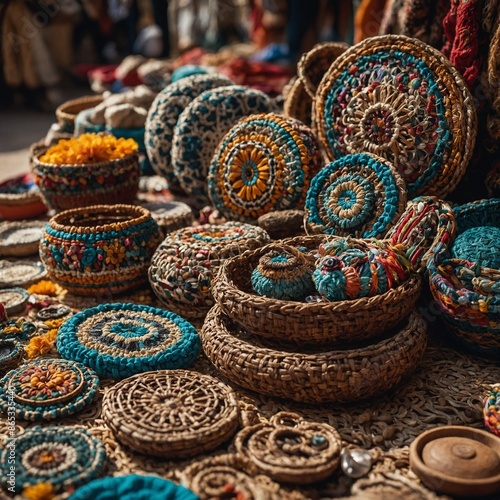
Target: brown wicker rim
(298,103)
(130,158)
(67,111)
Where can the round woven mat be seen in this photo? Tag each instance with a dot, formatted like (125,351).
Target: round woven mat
(119,340)
(63,456)
(20,239)
(202,125)
(48,389)
(14,300)
(359,195)
(20,273)
(400,99)
(172,414)
(264,163)
(162,119)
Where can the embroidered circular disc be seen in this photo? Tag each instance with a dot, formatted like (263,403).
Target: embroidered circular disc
(119,340)
(11,352)
(162,119)
(19,239)
(55,311)
(202,125)
(400,99)
(63,456)
(20,273)
(358,195)
(264,163)
(133,487)
(173,414)
(47,389)
(14,299)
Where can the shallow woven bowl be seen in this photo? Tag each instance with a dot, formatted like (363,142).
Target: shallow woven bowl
(302,322)
(477,213)
(67,111)
(322,376)
(102,249)
(73,186)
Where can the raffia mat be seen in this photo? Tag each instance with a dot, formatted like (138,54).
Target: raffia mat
(447,389)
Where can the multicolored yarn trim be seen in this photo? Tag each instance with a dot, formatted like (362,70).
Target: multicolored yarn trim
(400,99)
(477,213)
(284,273)
(65,457)
(491,411)
(48,389)
(350,269)
(201,127)
(264,163)
(480,245)
(359,195)
(120,340)
(133,487)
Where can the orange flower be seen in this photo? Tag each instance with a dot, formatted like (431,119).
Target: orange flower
(40,491)
(38,345)
(44,287)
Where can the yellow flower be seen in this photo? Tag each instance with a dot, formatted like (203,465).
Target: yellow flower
(115,253)
(44,287)
(40,491)
(54,323)
(38,345)
(249,173)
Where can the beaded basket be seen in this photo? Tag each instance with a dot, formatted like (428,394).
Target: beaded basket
(63,456)
(308,323)
(264,163)
(20,239)
(74,186)
(314,455)
(491,411)
(400,99)
(162,119)
(359,195)
(175,414)
(20,199)
(297,102)
(104,249)
(11,353)
(477,213)
(426,226)
(480,245)
(66,112)
(183,266)
(120,340)
(202,125)
(319,376)
(48,389)
(132,487)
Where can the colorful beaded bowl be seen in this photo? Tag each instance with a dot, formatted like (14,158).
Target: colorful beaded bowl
(477,213)
(47,389)
(480,245)
(491,411)
(359,195)
(65,457)
(162,119)
(14,300)
(319,376)
(303,322)
(185,263)
(264,163)
(20,199)
(73,186)
(297,102)
(402,100)
(314,455)
(173,414)
(66,113)
(20,239)
(202,125)
(11,353)
(132,487)
(426,226)
(120,340)
(102,249)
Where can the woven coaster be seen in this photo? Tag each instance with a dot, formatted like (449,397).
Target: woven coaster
(264,163)
(359,195)
(119,340)
(20,273)
(19,239)
(63,456)
(48,389)
(133,487)
(202,125)
(14,300)
(291,449)
(479,244)
(162,119)
(400,99)
(11,353)
(174,414)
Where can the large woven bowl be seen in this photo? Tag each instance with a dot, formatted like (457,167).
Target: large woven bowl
(103,249)
(313,323)
(319,377)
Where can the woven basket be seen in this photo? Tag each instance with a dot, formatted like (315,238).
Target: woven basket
(319,377)
(102,249)
(170,215)
(66,112)
(400,99)
(20,239)
(298,103)
(302,322)
(282,223)
(477,213)
(174,413)
(20,199)
(11,353)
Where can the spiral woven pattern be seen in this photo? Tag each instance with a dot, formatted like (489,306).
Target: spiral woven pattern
(202,125)
(400,99)
(491,411)
(172,414)
(63,456)
(479,244)
(477,213)
(264,163)
(119,340)
(359,195)
(162,119)
(48,389)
